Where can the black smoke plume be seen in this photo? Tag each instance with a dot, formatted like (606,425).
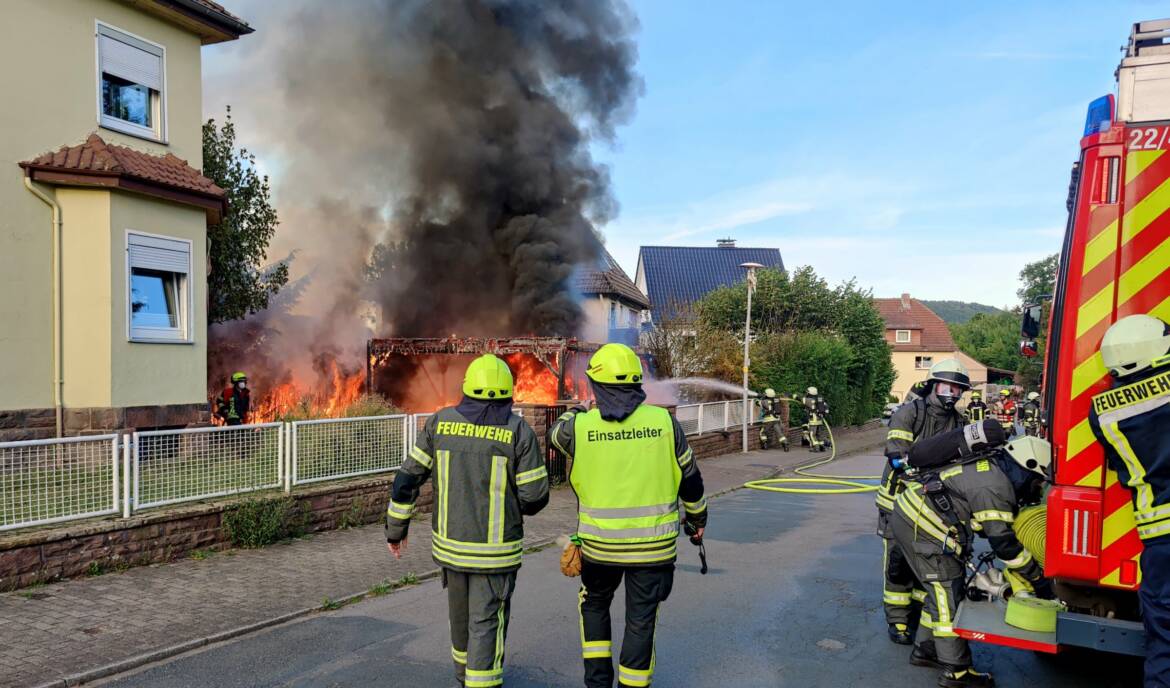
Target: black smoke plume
(435,156)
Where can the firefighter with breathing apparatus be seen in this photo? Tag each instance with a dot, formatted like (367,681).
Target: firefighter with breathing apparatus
(976,408)
(926,416)
(1029,414)
(772,432)
(1132,423)
(631,467)
(489,473)
(965,483)
(1005,411)
(233,404)
(817,410)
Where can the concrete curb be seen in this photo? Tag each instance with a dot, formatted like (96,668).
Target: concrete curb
(138,661)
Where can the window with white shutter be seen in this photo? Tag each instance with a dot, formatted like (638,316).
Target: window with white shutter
(158,279)
(131,79)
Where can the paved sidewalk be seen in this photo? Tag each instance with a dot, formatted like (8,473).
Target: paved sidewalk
(88,628)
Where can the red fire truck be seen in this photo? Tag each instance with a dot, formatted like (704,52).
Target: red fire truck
(1115,262)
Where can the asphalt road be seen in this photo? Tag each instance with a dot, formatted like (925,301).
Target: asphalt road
(792,599)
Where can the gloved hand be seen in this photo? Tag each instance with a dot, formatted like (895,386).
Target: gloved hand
(897,463)
(1043,589)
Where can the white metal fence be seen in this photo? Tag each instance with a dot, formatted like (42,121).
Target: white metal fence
(716,415)
(48,481)
(346,447)
(170,466)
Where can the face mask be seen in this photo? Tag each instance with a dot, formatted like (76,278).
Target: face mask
(241,385)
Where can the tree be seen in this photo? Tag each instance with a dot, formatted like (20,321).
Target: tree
(1038,280)
(239,283)
(991,339)
(805,333)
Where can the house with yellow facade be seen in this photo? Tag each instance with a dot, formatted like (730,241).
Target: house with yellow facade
(918,339)
(103,227)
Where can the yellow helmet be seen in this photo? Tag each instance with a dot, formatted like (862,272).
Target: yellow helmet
(1005,392)
(488,377)
(239,377)
(976,394)
(770,393)
(615,364)
(1135,343)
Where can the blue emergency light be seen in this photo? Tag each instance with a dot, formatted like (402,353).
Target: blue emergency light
(1100,116)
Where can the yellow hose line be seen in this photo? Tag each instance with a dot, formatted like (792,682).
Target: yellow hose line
(840,484)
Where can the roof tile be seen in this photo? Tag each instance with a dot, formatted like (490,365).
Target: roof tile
(95,155)
(681,275)
(906,313)
(607,277)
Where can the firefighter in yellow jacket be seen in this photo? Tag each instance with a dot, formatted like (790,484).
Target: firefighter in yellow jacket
(489,473)
(631,467)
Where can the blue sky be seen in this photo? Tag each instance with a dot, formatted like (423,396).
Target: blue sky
(917,146)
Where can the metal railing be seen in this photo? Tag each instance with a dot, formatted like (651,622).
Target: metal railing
(334,448)
(50,481)
(696,419)
(171,466)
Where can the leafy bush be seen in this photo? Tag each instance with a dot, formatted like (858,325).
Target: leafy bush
(365,405)
(805,334)
(258,522)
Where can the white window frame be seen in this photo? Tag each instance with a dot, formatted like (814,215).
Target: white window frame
(158,134)
(899,339)
(184,333)
(920,360)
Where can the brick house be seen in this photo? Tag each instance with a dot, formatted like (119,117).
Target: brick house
(103,236)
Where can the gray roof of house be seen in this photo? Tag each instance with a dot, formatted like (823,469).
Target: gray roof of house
(607,277)
(681,275)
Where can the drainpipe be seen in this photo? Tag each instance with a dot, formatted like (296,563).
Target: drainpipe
(58,353)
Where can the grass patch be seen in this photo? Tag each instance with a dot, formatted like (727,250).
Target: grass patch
(258,522)
(388,586)
(200,554)
(353,516)
(329,605)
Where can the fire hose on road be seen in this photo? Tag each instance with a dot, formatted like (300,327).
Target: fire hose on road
(837,484)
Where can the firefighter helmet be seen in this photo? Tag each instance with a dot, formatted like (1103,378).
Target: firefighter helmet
(1032,453)
(812,391)
(488,377)
(615,364)
(239,377)
(1005,392)
(950,370)
(976,395)
(770,393)
(1135,343)
(1033,396)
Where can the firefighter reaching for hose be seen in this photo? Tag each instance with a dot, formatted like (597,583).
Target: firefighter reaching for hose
(489,473)
(817,410)
(926,416)
(1029,414)
(232,405)
(1130,421)
(631,466)
(964,485)
(976,409)
(772,432)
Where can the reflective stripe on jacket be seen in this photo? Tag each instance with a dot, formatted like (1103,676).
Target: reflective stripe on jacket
(1132,422)
(486,477)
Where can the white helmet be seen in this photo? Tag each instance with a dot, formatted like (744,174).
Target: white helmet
(1032,453)
(1033,396)
(770,393)
(812,391)
(950,370)
(1135,343)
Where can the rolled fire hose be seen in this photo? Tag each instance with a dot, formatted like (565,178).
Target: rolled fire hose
(838,484)
(1032,614)
(1030,526)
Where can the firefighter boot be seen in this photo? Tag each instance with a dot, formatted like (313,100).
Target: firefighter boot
(924,655)
(900,634)
(964,677)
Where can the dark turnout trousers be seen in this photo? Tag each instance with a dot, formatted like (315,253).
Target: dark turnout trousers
(1155,601)
(478,605)
(941,574)
(646,588)
(902,594)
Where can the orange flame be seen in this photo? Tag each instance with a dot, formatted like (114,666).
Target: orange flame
(328,399)
(534,383)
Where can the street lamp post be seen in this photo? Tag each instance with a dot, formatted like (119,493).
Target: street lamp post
(747,339)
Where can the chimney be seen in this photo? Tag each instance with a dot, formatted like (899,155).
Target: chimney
(905,302)
(725,243)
